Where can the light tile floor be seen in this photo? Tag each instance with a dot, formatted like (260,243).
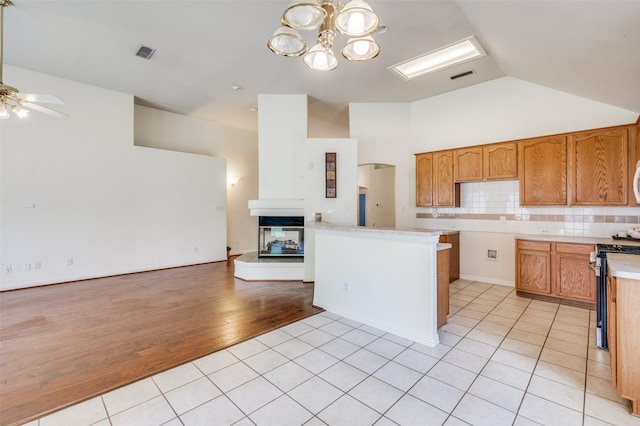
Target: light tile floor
(503,360)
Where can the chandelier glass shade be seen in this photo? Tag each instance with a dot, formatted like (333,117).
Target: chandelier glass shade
(356,20)
(360,49)
(287,42)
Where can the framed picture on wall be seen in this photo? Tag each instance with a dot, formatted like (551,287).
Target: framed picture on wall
(330,175)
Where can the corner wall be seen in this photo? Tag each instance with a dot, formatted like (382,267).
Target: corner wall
(77,191)
(341,210)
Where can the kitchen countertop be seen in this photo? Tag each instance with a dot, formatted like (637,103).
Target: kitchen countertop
(414,232)
(624,265)
(579,240)
(444,246)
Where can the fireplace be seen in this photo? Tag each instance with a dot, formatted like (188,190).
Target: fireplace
(281,236)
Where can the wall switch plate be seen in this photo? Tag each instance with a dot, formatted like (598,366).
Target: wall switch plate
(8,268)
(37,264)
(26,267)
(69,261)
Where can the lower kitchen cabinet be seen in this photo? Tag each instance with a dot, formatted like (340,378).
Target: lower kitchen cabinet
(623,323)
(533,267)
(574,279)
(556,270)
(453,238)
(442,268)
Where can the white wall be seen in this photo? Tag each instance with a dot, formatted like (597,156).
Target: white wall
(282,131)
(383,131)
(380,196)
(159,129)
(505,109)
(341,210)
(384,280)
(112,207)
(498,110)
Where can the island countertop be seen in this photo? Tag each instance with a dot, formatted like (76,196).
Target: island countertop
(624,265)
(416,232)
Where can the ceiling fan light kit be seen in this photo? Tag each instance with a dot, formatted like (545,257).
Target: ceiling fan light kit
(11,99)
(356,20)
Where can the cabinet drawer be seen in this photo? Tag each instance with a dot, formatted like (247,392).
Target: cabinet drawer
(585,249)
(534,245)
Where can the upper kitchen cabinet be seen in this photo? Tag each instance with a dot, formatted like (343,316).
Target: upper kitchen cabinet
(446,193)
(487,162)
(599,167)
(634,158)
(467,164)
(500,161)
(424,180)
(435,186)
(542,170)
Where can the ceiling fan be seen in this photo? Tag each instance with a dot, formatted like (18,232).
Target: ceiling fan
(20,103)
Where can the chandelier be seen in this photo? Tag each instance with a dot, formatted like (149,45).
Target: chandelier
(356,20)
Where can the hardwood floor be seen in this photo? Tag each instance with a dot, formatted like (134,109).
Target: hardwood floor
(64,343)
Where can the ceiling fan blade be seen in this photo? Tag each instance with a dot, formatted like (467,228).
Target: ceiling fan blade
(42,109)
(47,99)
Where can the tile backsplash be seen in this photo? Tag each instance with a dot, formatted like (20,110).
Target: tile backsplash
(495,207)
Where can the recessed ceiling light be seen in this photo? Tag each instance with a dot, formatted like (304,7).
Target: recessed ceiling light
(254,109)
(447,56)
(235,87)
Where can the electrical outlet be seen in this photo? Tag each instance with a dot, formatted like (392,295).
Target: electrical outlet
(195,249)
(69,261)
(346,287)
(503,219)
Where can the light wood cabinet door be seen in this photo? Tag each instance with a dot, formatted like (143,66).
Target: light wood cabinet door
(454,254)
(500,161)
(445,190)
(467,164)
(533,271)
(634,157)
(599,167)
(424,180)
(573,279)
(542,170)
(443,286)
(611,328)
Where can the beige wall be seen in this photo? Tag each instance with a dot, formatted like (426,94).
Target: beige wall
(160,129)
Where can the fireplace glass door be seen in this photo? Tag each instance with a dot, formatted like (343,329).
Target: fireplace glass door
(279,237)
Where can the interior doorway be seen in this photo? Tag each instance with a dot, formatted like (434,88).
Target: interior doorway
(377,195)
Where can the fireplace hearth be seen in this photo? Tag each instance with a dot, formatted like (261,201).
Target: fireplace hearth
(281,236)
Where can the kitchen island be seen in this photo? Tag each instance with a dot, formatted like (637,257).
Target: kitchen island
(385,278)
(623,323)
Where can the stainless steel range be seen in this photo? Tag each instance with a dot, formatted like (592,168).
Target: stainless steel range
(601,286)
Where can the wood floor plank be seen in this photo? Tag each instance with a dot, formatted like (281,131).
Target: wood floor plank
(64,343)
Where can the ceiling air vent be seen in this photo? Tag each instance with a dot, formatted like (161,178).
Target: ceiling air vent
(463,74)
(145,52)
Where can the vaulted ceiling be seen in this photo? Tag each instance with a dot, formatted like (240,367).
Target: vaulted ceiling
(203,48)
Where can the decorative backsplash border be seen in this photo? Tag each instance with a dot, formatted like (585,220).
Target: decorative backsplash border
(634,219)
